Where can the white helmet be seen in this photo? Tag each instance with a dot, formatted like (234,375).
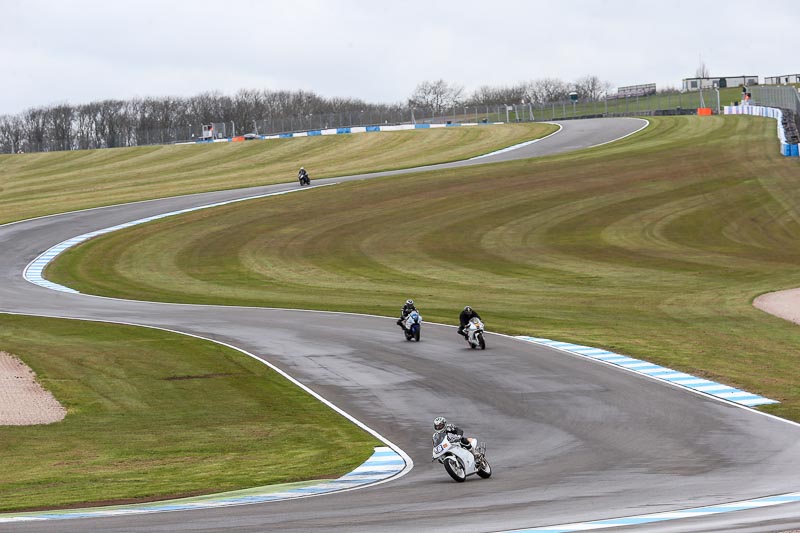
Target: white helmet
(439,423)
(409,302)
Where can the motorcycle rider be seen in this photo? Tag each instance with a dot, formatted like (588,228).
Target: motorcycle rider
(303,176)
(404,312)
(440,424)
(466,315)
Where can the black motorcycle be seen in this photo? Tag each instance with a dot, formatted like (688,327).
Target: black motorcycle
(304,180)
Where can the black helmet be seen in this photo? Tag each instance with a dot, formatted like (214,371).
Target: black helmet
(439,423)
(467,309)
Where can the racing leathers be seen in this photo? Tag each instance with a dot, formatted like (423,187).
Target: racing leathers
(455,433)
(404,312)
(464,319)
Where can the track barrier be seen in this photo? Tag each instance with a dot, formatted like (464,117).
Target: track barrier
(787,149)
(346,130)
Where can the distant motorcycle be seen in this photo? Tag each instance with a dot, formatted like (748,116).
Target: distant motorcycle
(457,461)
(304,180)
(474,332)
(412,326)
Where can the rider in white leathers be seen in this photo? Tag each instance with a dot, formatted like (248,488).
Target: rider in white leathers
(440,424)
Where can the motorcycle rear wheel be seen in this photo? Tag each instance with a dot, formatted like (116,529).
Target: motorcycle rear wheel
(456,470)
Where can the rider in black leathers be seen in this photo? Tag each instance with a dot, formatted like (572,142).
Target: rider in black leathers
(407,308)
(303,176)
(466,315)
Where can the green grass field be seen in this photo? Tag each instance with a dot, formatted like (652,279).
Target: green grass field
(153,414)
(44,183)
(653,247)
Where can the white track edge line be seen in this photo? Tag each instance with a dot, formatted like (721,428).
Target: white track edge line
(409,463)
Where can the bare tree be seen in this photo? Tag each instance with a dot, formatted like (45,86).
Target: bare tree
(487,95)
(436,96)
(11,134)
(141,121)
(702,70)
(546,90)
(34,124)
(61,130)
(591,87)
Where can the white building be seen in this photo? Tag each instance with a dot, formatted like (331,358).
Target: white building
(695,84)
(779,80)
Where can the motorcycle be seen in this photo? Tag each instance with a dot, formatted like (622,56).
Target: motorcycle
(304,180)
(413,326)
(474,332)
(458,461)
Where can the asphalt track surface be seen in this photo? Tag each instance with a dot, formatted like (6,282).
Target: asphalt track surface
(569,439)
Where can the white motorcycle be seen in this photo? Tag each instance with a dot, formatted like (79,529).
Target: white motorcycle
(413,326)
(474,332)
(458,461)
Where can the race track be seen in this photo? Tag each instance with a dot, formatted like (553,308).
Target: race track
(569,439)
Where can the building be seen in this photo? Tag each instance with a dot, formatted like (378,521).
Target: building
(695,84)
(636,90)
(779,80)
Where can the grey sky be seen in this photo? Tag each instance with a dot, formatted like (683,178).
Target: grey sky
(56,51)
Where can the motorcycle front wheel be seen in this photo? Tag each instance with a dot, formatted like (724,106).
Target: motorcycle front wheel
(456,470)
(481,341)
(485,471)
(416,333)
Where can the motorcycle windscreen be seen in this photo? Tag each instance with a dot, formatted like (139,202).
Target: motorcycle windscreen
(439,437)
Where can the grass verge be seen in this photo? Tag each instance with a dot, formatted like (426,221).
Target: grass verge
(44,183)
(167,415)
(155,415)
(653,246)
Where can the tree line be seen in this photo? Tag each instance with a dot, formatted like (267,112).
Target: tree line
(159,120)
(440,95)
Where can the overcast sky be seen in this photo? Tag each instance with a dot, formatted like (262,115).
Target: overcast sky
(78,51)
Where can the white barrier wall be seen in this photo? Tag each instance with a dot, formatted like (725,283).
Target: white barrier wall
(351,129)
(789,150)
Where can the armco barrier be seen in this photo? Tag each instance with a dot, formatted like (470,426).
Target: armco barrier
(347,130)
(787,149)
